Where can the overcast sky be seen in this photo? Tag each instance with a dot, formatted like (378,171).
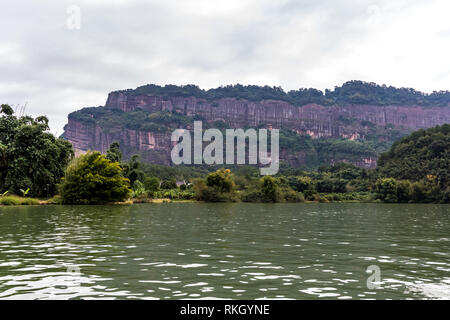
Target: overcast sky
(299,43)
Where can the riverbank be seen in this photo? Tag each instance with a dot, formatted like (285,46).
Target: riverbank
(17,201)
(20,201)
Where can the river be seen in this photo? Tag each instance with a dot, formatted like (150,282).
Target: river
(228,250)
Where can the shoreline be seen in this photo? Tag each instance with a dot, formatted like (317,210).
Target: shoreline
(20,201)
(166,200)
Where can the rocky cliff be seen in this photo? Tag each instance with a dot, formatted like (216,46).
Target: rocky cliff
(88,129)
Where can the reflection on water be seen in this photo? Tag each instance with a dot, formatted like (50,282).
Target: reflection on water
(238,251)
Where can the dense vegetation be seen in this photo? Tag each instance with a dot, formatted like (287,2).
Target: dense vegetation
(31,158)
(423,158)
(93,179)
(337,150)
(352,92)
(35,163)
(423,153)
(113,119)
(416,169)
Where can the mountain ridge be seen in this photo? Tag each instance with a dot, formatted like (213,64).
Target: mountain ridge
(142,120)
(351,92)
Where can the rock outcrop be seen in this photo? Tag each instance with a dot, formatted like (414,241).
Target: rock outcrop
(349,122)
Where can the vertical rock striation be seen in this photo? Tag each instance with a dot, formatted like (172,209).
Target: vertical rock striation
(315,120)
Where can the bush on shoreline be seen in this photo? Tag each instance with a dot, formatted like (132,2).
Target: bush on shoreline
(93,179)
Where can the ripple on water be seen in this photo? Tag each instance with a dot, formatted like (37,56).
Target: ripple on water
(149,252)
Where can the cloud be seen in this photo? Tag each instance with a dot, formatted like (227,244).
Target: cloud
(125,43)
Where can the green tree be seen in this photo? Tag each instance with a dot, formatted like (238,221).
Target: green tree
(6,109)
(138,190)
(422,156)
(221,179)
(30,156)
(386,189)
(93,179)
(151,184)
(199,188)
(113,153)
(132,169)
(269,189)
(219,186)
(419,192)
(404,191)
(303,184)
(169,184)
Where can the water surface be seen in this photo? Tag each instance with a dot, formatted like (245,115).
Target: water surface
(238,251)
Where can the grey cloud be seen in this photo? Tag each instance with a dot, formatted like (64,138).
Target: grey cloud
(124,44)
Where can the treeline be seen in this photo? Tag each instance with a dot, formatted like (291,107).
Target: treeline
(34,163)
(110,119)
(416,169)
(351,92)
(340,182)
(419,167)
(32,160)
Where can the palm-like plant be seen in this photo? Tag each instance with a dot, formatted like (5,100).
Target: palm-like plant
(25,192)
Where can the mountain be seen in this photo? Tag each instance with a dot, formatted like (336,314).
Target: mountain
(353,123)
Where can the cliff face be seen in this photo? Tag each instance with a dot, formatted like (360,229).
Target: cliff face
(154,147)
(320,120)
(350,122)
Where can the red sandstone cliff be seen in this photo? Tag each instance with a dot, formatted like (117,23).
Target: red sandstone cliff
(312,119)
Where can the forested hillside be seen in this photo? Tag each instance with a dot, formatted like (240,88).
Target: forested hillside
(351,92)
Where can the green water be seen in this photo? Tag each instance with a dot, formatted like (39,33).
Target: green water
(239,251)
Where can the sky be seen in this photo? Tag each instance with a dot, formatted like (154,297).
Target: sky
(60,56)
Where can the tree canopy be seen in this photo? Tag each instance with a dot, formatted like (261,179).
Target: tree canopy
(421,154)
(30,156)
(351,92)
(422,157)
(93,179)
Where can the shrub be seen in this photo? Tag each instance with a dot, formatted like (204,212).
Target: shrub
(151,184)
(138,190)
(332,185)
(169,184)
(219,187)
(303,184)
(293,196)
(221,179)
(251,196)
(404,191)
(10,201)
(386,189)
(55,200)
(269,190)
(419,192)
(309,195)
(199,188)
(446,196)
(214,194)
(93,179)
